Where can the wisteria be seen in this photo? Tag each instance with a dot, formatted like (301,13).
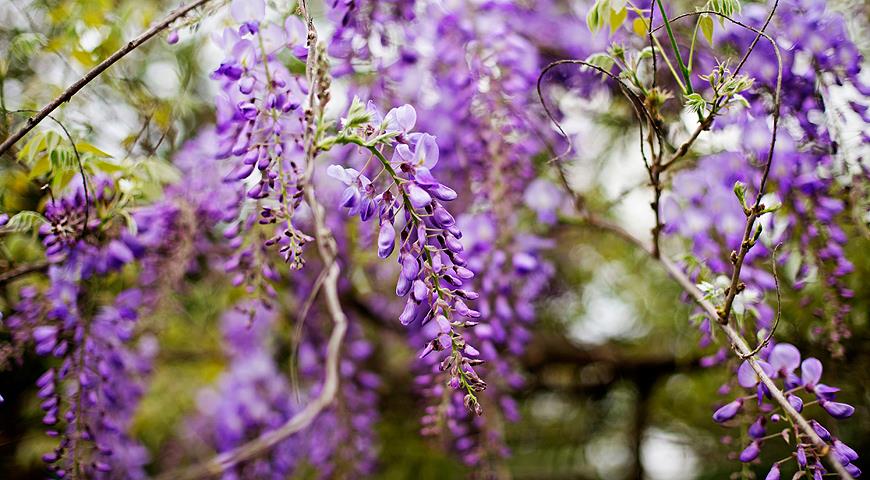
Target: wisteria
(356,238)
(253,397)
(430,251)
(90,395)
(783,362)
(259,125)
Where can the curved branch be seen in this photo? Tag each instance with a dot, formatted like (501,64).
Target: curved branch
(22,270)
(97,70)
(636,101)
(676,273)
(769,335)
(328,251)
(78,160)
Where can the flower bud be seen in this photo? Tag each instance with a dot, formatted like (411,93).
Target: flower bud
(728,411)
(773,474)
(386,239)
(750,453)
(837,409)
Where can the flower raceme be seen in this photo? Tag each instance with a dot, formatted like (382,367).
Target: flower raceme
(783,362)
(90,394)
(259,126)
(410,202)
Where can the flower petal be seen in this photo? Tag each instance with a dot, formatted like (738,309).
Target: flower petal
(419,198)
(426,151)
(746,376)
(386,239)
(727,411)
(401,119)
(837,409)
(344,175)
(811,371)
(785,357)
(750,453)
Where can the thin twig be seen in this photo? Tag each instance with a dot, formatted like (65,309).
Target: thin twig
(97,70)
(683,69)
(652,47)
(769,335)
(738,343)
(753,213)
(633,98)
(705,124)
(22,270)
(643,115)
(80,165)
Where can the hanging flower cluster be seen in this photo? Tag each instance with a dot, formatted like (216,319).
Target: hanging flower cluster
(259,126)
(253,397)
(90,394)
(782,362)
(433,269)
(455,185)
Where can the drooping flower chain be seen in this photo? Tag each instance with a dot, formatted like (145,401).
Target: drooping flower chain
(432,267)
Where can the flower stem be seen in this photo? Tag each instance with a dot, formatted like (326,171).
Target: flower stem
(688,87)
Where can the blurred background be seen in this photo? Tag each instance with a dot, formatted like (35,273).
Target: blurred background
(614,388)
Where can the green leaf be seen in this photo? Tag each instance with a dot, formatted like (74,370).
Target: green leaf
(132,227)
(593,20)
(758,230)
(728,8)
(737,84)
(40,168)
(617,18)
(84,147)
(23,221)
(598,15)
(741,100)
(61,180)
(28,150)
(640,27)
(159,171)
(25,45)
(706,24)
(696,103)
(740,191)
(772,208)
(63,160)
(41,143)
(601,60)
(356,115)
(105,166)
(646,53)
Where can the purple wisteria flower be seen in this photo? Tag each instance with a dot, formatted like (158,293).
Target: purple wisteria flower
(782,363)
(432,269)
(259,126)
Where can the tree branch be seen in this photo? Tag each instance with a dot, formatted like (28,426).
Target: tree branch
(328,251)
(97,70)
(759,34)
(737,342)
(22,270)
